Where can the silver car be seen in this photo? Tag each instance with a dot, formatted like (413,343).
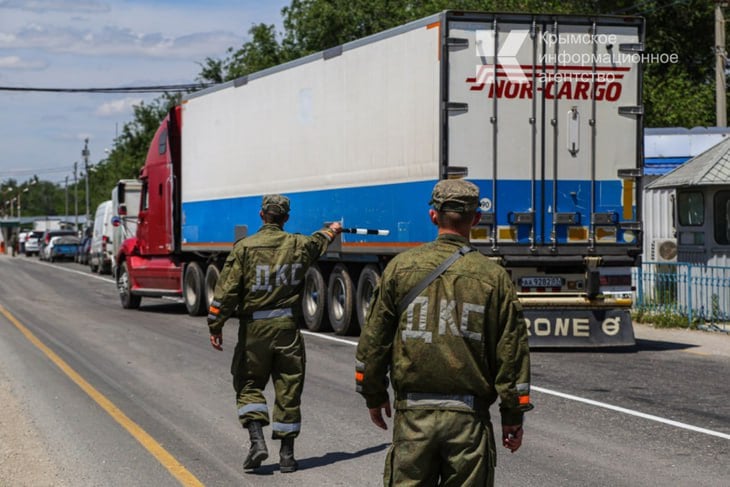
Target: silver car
(33,243)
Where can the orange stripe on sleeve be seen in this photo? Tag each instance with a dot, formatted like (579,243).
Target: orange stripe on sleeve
(524,400)
(359,376)
(214,310)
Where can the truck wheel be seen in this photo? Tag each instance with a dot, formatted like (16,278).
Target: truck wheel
(341,301)
(211,279)
(129,300)
(314,302)
(369,279)
(193,290)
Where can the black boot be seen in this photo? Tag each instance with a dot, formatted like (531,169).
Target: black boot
(258,452)
(287,464)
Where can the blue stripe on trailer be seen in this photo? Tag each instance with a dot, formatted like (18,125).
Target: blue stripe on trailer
(401,208)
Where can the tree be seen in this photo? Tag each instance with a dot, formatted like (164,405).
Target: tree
(126,158)
(681,27)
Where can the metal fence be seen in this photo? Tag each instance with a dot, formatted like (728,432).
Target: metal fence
(699,293)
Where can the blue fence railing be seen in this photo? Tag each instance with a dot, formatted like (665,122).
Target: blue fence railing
(701,293)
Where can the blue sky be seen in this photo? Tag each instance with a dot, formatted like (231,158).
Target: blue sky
(100,43)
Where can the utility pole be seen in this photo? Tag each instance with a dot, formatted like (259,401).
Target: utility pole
(66,188)
(720,58)
(76,196)
(85,154)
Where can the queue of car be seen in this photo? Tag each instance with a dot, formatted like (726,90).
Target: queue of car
(114,221)
(56,245)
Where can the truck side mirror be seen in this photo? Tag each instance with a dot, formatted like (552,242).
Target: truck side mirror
(120,192)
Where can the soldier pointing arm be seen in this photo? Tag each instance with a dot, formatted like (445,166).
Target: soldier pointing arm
(263,276)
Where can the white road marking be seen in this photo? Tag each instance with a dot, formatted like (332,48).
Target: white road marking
(550,392)
(328,337)
(591,402)
(87,274)
(631,412)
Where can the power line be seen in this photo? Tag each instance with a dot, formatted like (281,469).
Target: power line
(123,89)
(21,172)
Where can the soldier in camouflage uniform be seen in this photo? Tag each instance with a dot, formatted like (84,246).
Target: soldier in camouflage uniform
(264,276)
(456,347)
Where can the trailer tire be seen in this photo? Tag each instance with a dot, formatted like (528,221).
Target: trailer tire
(211,279)
(129,300)
(341,301)
(194,290)
(366,284)
(314,300)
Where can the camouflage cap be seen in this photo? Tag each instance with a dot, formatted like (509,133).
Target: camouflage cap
(275,203)
(457,195)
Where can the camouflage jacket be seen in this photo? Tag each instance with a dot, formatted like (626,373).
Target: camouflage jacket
(464,335)
(265,272)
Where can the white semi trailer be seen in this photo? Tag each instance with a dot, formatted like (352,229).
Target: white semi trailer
(542,112)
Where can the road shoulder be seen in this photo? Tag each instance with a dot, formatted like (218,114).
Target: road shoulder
(696,341)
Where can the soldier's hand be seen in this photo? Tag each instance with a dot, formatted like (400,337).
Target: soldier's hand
(336,227)
(376,414)
(217,341)
(512,437)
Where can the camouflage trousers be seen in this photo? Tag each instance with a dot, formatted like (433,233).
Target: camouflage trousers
(264,351)
(440,447)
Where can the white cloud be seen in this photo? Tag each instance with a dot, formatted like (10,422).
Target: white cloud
(113,40)
(91,6)
(16,62)
(116,107)
(103,43)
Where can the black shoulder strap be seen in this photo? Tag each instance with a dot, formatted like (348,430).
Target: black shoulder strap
(418,289)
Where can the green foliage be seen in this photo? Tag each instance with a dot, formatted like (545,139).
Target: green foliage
(661,319)
(127,156)
(124,161)
(261,52)
(674,99)
(680,94)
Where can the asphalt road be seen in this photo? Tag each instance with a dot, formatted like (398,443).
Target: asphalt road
(655,414)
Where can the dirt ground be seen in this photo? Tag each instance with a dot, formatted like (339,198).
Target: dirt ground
(24,459)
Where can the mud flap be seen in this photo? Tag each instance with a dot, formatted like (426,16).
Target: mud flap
(579,327)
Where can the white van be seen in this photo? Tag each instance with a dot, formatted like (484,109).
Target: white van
(100,253)
(125,206)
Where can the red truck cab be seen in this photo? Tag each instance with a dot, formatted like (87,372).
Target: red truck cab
(149,263)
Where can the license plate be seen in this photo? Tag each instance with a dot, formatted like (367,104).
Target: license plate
(543,281)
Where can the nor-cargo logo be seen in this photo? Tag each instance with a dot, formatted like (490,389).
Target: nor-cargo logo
(503,76)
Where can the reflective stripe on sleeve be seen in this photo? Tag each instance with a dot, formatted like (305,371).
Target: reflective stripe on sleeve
(523,393)
(359,366)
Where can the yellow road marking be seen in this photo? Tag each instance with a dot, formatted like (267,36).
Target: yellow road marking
(163,456)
